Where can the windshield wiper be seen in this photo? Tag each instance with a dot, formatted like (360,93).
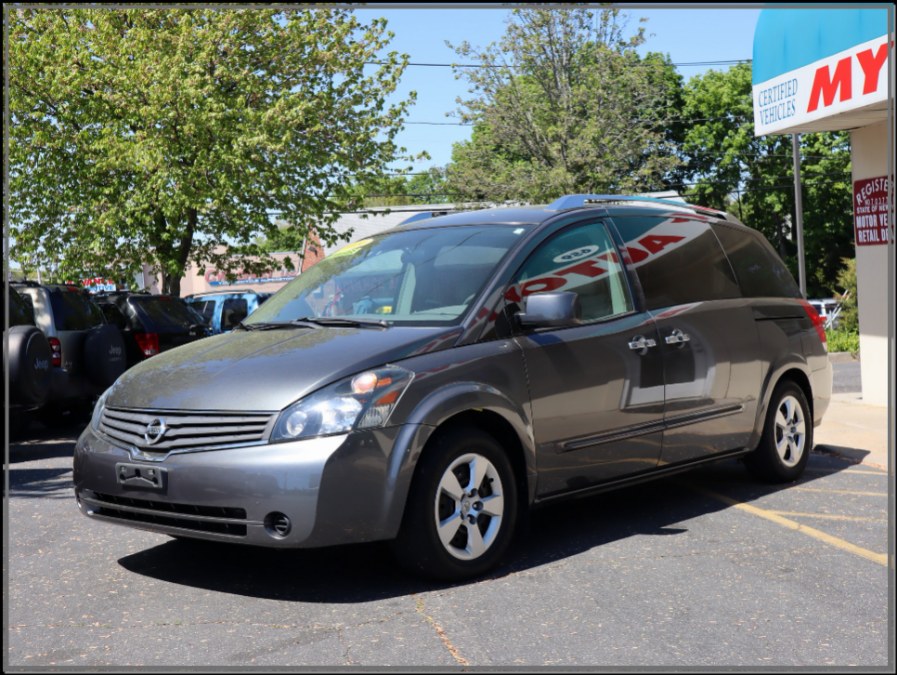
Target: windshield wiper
(340,321)
(270,325)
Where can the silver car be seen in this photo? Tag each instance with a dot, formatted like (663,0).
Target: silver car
(429,384)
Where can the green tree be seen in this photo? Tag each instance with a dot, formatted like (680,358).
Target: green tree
(423,187)
(429,187)
(849,319)
(157,135)
(728,167)
(563,104)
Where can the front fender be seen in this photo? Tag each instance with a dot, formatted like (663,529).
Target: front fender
(439,408)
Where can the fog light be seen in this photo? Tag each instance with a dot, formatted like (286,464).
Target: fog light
(278,525)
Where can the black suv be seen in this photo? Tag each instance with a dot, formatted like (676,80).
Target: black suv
(150,324)
(28,361)
(86,354)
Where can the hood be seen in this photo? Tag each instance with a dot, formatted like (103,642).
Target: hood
(266,370)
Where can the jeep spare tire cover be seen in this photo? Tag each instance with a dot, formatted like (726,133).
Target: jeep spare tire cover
(30,363)
(104,355)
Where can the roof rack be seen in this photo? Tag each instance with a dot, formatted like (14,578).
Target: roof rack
(576,201)
(223,291)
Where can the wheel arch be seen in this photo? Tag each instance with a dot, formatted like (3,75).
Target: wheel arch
(791,373)
(456,406)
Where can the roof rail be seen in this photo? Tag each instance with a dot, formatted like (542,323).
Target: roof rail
(224,291)
(420,215)
(576,201)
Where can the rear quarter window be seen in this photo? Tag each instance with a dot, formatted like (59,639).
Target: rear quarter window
(759,270)
(678,260)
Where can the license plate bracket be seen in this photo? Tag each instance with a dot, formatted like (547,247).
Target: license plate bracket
(141,476)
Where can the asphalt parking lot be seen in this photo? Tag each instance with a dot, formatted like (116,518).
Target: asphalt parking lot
(703,569)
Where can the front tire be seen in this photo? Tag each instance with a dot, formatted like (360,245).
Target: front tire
(462,508)
(787,437)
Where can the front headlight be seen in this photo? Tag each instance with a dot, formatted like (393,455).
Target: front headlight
(363,401)
(98,410)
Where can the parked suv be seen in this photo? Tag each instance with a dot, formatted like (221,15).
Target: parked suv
(28,360)
(150,324)
(427,384)
(223,310)
(86,354)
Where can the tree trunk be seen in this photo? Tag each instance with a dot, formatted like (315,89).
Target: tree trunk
(171,285)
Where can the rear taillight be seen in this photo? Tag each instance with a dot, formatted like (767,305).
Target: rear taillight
(818,322)
(56,351)
(148,343)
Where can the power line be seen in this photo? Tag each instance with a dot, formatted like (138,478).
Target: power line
(685,64)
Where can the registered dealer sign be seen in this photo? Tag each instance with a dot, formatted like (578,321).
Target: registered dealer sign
(870,211)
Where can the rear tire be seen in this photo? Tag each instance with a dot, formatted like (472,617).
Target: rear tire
(462,508)
(29,365)
(787,437)
(104,355)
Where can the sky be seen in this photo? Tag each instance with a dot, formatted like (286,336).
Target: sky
(687,35)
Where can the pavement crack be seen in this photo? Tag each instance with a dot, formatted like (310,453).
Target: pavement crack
(419,606)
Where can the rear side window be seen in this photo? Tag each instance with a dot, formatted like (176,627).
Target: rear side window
(234,311)
(72,310)
(678,260)
(21,312)
(760,272)
(206,308)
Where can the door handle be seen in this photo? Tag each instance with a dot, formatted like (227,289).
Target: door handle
(677,337)
(641,344)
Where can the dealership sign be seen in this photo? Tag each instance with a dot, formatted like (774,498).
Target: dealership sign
(870,211)
(849,80)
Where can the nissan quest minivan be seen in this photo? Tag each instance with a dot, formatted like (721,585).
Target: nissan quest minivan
(429,384)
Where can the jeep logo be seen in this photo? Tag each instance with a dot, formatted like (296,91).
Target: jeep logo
(115,351)
(41,364)
(154,431)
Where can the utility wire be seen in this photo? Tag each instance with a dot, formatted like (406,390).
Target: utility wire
(687,64)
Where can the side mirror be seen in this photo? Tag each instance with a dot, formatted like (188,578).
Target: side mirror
(550,310)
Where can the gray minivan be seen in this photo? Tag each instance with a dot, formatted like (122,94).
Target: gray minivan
(428,384)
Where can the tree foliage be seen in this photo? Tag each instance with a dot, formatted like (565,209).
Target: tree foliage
(562,104)
(727,167)
(849,320)
(156,135)
(424,187)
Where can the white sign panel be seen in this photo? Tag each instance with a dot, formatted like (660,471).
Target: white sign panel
(849,80)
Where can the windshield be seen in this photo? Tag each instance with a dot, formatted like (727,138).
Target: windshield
(417,277)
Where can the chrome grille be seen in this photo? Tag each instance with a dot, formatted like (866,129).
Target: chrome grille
(184,431)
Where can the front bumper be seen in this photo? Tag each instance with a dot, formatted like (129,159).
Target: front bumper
(333,490)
